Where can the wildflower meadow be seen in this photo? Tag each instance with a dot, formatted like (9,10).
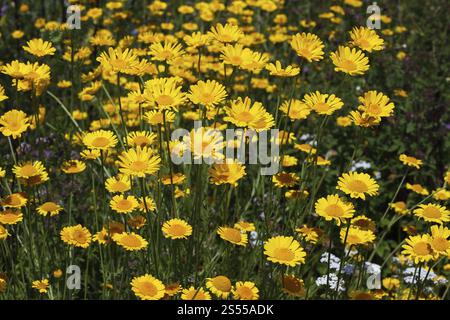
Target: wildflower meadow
(224,150)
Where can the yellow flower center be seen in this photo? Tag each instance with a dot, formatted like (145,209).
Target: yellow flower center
(422,249)
(207,98)
(353,239)
(124,204)
(49,207)
(79,236)
(284,254)
(130,241)
(236,60)
(177,230)
(28,170)
(334,210)
(100,142)
(348,65)
(374,109)
(138,165)
(140,141)
(245,293)
(432,212)
(148,289)
(358,186)
(165,100)
(233,235)
(322,107)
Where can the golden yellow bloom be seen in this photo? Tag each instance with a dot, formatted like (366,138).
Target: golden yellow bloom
(14,200)
(334,208)
(13,123)
(139,162)
(277,70)
(284,250)
(77,236)
(308,46)
(243,113)
(236,55)
(233,235)
(3,96)
(176,229)
(167,51)
(367,39)
(350,61)
(141,138)
(244,226)
(229,172)
(122,204)
(100,140)
(31,173)
(376,105)
(417,188)
(73,166)
(357,185)
(295,109)
(209,93)
(245,290)
(119,184)
(119,61)
(220,286)
(165,93)
(49,208)
(3,233)
(39,48)
(399,207)
(356,236)
(419,248)
(10,217)
(227,33)
(310,234)
(323,104)
(130,241)
(440,240)
(410,161)
(147,287)
(41,285)
(433,213)
(195,294)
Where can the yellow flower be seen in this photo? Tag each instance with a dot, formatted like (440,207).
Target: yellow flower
(391,284)
(3,96)
(73,166)
(155,117)
(39,48)
(204,143)
(119,61)
(376,105)
(236,55)
(243,113)
(323,104)
(139,162)
(31,173)
(357,185)
(3,233)
(147,287)
(356,236)
(367,39)
(229,172)
(141,138)
(77,236)
(244,226)
(410,161)
(439,240)
(122,204)
(285,179)
(245,290)
(295,109)
(195,294)
(130,241)
(277,70)
(176,229)
(14,200)
(220,286)
(441,194)
(49,208)
(41,285)
(310,234)
(227,33)
(334,208)
(119,184)
(10,217)
(167,51)
(233,235)
(419,248)
(399,207)
(209,93)
(350,61)
(197,40)
(417,188)
(433,213)
(165,93)
(308,46)
(100,140)
(284,250)
(13,123)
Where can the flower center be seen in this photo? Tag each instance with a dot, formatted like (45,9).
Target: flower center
(422,248)
(245,293)
(284,254)
(177,230)
(100,142)
(165,100)
(334,210)
(348,65)
(233,235)
(440,244)
(148,289)
(138,166)
(358,186)
(29,170)
(222,283)
(432,212)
